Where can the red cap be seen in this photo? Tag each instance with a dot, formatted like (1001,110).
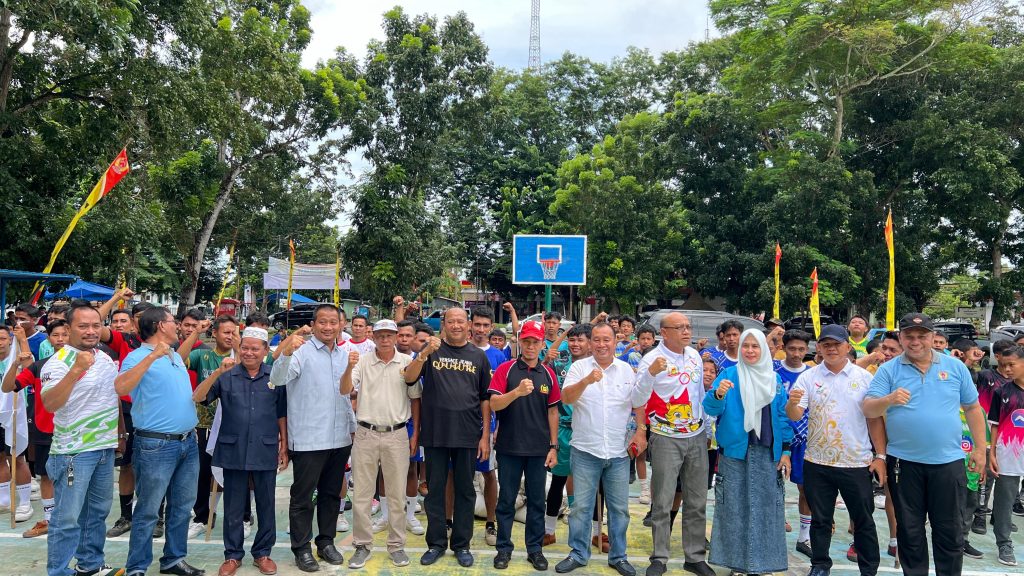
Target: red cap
(532,329)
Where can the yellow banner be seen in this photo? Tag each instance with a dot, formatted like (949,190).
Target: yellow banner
(815,308)
(227,274)
(890,302)
(778,258)
(291,272)
(337,280)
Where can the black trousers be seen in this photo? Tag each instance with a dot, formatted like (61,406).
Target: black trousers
(201,509)
(323,471)
(236,497)
(821,485)
(463,466)
(511,471)
(935,491)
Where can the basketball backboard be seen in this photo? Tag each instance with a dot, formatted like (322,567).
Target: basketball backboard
(546,259)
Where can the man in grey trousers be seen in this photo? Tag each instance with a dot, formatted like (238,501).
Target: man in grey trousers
(674,373)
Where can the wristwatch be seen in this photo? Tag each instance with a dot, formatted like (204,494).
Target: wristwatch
(880,457)
(553,446)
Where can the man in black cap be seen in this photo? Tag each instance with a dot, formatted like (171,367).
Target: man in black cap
(921,392)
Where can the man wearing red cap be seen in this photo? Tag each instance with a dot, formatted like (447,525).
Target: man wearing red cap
(525,396)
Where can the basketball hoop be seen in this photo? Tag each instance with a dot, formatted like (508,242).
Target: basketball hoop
(549,268)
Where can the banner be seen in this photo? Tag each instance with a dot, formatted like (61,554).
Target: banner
(305,276)
(890,302)
(117,170)
(291,272)
(778,258)
(815,309)
(337,280)
(227,274)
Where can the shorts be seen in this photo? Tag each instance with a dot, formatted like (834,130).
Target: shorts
(125,459)
(796,457)
(563,468)
(42,455)
(488,465)
(419,449)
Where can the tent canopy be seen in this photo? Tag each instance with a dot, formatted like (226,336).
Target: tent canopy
(84,290)
(296,298)
(25,276)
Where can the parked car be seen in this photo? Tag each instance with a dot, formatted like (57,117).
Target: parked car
(806,323)
(295,317)
(704,322)
(956,330)
(1011,332)
(566,323)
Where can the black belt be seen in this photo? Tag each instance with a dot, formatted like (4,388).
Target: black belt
(163,436)
(377,428)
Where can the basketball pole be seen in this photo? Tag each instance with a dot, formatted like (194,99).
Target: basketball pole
(547,297)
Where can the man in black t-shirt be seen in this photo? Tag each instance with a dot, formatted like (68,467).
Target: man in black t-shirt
(456,375)
(525,395)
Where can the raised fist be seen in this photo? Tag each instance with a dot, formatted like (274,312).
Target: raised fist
(900,397)
(161,349)
(227,364)
(723,387)
(795,396)
(595,376)
(353,358)
(84,360)
(432,346)
(127,294)
(525,387)
(19,332)
(204,325)
(507,307)
(702,343)
(658,366)
(398,301)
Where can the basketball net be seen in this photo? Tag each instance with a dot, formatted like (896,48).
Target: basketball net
(549,268)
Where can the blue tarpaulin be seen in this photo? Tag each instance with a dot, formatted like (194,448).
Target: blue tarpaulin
(84,290)
(296,298)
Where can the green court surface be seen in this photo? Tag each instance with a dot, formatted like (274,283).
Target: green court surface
(27,557)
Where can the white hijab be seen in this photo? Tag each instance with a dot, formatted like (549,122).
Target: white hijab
(757,382)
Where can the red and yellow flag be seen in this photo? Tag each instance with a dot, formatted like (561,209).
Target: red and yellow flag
(115,172)
(291,272)
(890,302)
(337,280)
(815,308)
(778,258)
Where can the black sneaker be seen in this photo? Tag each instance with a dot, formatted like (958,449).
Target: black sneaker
(1006,555)
(971,551)
(102,571)
(804,547)
(978,526)
(431,556)
(647,520)
(657,568)
(158,532)
(122,526)
(502,559)
(1018,508)
(538,561)
(464,557)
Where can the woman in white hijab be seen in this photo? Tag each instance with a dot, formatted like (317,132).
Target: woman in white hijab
(749,533)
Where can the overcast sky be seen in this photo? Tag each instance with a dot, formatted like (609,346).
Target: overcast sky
(597,29)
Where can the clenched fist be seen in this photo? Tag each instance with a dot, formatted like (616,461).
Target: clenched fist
(432,346)
(84,360)
(161,349)
(204,325)
(507,307)
(795,396)
(227,364)
(723,387)
(658,366)
(525,387)
(900,397)
(595,376)
(353,358)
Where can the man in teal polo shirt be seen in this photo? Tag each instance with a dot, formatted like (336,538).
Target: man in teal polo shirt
(920,393)
(166,457)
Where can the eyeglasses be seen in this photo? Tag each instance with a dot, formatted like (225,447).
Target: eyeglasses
(681,328)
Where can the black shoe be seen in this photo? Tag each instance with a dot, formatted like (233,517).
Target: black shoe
(978,525)
(647,520)
(699,568)
(502,559)
(657,568)
(818,571)
(567,565)
(804,548)
(464,557)
(537,560)
(330,555)
(971,551)
(1018,508)
(158,530)
(305,561)
(624,568)
(431,556)
(183,569)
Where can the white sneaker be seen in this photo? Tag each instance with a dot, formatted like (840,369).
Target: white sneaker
(412,524)
(880,501)
(645,494)
(419,507)
(35,491)
(195,529)
(374,507)
(565,516)
(343,525)
(246,529)
(23,512)
(379,525)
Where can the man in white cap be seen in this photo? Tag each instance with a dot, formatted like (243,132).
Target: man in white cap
(252,443)
(381,439)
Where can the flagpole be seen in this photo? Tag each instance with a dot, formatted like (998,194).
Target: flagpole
(227,274)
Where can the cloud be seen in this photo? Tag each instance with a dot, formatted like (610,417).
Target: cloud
(597,29)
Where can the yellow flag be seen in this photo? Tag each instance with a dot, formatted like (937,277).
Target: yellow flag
(291,272)
(227,274)
(815,309)
(778,258)
(890,302)
(337,280)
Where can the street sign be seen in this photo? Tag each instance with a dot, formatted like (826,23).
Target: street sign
(549,259)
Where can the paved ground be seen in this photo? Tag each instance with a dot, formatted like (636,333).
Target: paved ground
(27,557)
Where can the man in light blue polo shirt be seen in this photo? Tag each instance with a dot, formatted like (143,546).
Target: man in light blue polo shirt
(920,393)
(166,455)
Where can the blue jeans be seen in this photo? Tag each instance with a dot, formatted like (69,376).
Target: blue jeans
(78,522)
(587,472)
(163,468)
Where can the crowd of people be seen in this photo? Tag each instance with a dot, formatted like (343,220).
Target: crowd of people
(556,424)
